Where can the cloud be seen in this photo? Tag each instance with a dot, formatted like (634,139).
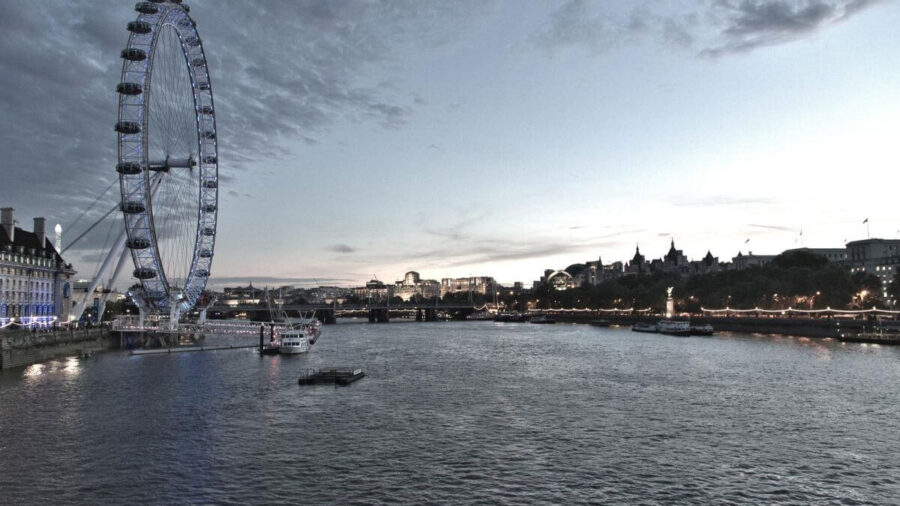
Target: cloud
(745,25)
(283,73)
(575,24)
(477,250)
(719,200)
(273,281)
(772,227)
(461,230)
(716,28)
(341,248)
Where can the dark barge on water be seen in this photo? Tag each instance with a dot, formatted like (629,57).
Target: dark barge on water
(871,338)
(341,377)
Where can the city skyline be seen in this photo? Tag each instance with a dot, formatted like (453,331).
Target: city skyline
(485,138)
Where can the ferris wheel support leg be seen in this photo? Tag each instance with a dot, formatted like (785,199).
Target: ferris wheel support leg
(101,308)
(115,253)
(202,318)
(123,258)
(174,311)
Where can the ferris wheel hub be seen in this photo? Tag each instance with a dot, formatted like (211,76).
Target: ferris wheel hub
(172,163)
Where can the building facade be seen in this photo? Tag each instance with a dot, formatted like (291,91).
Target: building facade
(374,291)
(880,257)
(742,261)
(34,279)
(484,285)
(326,294)
(674,262)
(242,296)
(558,280)
(413,287)
(638,265)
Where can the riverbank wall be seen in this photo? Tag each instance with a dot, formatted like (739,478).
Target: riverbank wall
(19,348)
(802,327)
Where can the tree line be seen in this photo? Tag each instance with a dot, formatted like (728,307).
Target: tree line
(797,279)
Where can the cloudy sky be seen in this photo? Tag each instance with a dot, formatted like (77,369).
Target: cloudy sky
(455,138)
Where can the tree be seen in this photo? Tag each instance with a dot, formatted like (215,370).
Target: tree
(801,259)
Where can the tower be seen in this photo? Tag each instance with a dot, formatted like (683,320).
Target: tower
(58,230)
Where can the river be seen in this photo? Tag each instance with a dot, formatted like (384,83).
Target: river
(463,412)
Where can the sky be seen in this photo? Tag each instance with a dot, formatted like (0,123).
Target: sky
(362,139)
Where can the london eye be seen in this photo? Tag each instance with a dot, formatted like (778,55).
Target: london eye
(167,156)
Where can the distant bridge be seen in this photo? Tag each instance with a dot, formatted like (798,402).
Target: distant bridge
(349,307)
(378,312)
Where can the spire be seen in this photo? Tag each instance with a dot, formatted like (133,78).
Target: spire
(638,258)
(672,255)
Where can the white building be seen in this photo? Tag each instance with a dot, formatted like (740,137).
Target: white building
(484,285)
(34,280)
(413,287)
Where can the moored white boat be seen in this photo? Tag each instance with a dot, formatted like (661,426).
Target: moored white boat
(481,315)
(311,325)
(644,327)
(294,341)
(674,327)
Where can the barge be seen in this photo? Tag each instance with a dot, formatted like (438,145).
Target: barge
(341,377)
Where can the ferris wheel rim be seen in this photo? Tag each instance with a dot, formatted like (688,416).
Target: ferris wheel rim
(141,177)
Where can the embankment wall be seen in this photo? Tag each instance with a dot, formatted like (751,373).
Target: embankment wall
(19,348)
(806,327)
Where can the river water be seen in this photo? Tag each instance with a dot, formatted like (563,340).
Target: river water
(463,412)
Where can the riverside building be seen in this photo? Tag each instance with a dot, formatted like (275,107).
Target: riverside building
(880,257)
(484,285)
(374,291)
(34,279)
(413,287)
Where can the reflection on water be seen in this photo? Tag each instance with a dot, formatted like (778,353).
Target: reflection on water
(463,412)
(70,366)
(33,370)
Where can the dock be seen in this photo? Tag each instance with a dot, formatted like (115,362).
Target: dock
(185,349)
(341,377)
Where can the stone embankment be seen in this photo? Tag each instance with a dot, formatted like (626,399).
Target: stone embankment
(804,327)
(19,348)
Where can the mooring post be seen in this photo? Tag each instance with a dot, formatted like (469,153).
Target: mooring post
(262,329)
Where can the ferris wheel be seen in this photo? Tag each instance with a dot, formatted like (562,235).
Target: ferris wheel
(168,156)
